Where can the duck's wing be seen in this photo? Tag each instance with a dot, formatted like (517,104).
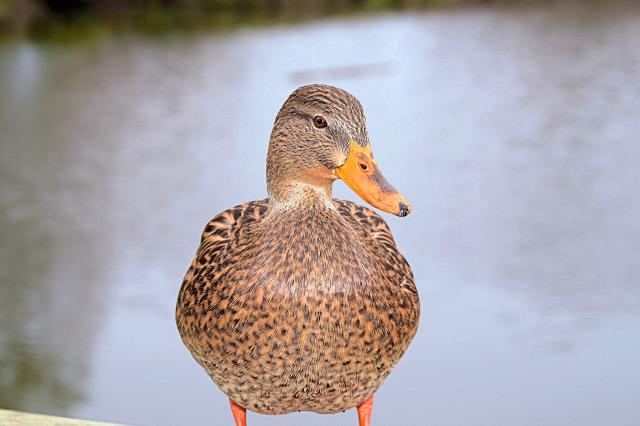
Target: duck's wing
(373,225)
(217,237)
(220,230)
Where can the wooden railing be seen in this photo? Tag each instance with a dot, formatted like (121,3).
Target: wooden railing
(17,418)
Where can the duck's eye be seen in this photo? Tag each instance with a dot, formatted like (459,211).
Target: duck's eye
(319,122)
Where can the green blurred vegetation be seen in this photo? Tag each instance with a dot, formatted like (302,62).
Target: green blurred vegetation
(78,19)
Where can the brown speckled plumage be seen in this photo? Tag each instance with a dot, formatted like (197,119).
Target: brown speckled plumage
(300,302)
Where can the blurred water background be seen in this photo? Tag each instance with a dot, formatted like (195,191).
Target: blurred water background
(512,128)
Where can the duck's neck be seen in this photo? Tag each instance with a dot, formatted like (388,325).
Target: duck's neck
(299,194)
(295,181)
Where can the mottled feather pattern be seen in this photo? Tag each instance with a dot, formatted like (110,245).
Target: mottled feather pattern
(302,311)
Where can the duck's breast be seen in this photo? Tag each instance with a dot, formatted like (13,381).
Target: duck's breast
(303,319)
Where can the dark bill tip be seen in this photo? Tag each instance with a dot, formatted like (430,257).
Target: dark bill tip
(403,210)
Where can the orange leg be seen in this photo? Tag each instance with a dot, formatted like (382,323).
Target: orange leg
(239,414)
(364,411)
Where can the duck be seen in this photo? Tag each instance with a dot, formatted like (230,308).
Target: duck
(300,301)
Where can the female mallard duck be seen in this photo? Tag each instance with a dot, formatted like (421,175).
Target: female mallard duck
(301,302)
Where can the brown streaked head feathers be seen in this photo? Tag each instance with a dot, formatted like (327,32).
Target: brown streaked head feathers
(298,150)
(320,135)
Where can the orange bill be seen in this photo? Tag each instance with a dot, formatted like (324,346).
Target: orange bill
(360,171)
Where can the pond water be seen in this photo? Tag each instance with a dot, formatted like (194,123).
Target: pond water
(514,132)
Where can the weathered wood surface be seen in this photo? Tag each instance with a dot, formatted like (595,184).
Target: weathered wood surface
(16,418)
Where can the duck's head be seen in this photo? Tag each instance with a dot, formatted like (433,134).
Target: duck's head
(319,136)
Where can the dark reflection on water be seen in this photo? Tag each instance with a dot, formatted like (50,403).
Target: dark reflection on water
(513,131)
